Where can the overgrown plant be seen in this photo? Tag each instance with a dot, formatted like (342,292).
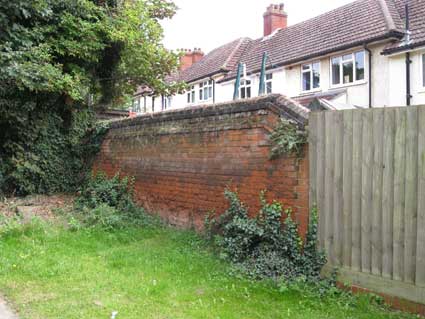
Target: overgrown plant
(263,246)
(58,158)
(59,62)
(287,138)
(107,203)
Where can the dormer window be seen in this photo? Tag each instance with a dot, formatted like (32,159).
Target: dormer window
(348,68)
(245,89)
(206,90)
(310,76)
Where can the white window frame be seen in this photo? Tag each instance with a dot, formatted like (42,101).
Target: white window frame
(166,103)
(269,81)
(191,95)
(208,87)
(244,85)
(310,65)
(341,70)
(422,64)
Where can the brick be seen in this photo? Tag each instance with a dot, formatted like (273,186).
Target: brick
(183,162)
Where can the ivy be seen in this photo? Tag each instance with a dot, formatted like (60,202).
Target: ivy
(56,158)
(287,138)
(263,247)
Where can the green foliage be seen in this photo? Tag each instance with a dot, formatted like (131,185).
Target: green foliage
(264,248)
(287,138)
(107,203)
(72,48)
(59,60)
(99,189)
(52,156)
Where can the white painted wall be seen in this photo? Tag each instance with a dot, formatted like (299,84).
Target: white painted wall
(388,82)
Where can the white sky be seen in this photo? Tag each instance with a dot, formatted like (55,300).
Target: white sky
(208,24)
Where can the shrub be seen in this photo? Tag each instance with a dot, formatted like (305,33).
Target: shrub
(107,203)
(263,247)
(99,189)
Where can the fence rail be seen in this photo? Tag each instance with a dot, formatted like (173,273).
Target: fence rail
(367,178)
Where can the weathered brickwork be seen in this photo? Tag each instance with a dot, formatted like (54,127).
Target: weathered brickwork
(183,160)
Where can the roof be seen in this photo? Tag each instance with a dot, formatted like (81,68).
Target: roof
(220,60)
(357,23)
(306,100)
(417,25)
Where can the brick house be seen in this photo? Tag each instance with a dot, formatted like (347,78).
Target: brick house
(366,53)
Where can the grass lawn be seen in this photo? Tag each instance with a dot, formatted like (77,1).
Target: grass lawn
(49,272)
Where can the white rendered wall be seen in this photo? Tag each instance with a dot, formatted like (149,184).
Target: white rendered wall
(388,83)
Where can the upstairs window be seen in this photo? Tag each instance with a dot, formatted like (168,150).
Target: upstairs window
(206,90)
(166,102)
(348,68)
(245,89)
(191,95)
(310,76)
(269,83)
(423,70)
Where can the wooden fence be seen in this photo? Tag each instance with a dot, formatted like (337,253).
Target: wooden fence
(367,178)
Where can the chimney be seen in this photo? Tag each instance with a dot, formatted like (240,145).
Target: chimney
(190,57)
(275,18)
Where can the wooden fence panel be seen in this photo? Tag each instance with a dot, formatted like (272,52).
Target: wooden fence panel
(368,182)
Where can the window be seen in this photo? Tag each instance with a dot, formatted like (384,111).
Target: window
(245,89)
(144,104)
(206,90)
(423,70)
(310,76)
(349,68)
(191,95)
(166,102)
(269,83)
(136,105)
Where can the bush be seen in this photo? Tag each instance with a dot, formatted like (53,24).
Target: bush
(107,203)
(99,189)
(264,248)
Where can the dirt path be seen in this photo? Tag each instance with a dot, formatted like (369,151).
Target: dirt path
(5,312)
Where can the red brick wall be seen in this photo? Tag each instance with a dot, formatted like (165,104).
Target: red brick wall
(183,161)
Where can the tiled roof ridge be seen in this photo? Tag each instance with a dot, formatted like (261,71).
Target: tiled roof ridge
(242,41)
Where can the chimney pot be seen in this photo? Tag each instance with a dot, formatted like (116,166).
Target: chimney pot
(190,57)
(275,18)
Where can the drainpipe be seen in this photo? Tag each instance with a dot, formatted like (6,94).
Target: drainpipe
(408,86)
(408,61)
(369,52)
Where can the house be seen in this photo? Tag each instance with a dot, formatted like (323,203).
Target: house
(366,53)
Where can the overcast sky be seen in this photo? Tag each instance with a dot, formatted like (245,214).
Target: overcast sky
(208,24)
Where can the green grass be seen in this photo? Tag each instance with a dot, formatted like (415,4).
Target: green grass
(50,272)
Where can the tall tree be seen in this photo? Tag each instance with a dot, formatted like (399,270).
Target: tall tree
(55,54)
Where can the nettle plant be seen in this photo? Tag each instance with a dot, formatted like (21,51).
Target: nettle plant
(287,138)
(264,247)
